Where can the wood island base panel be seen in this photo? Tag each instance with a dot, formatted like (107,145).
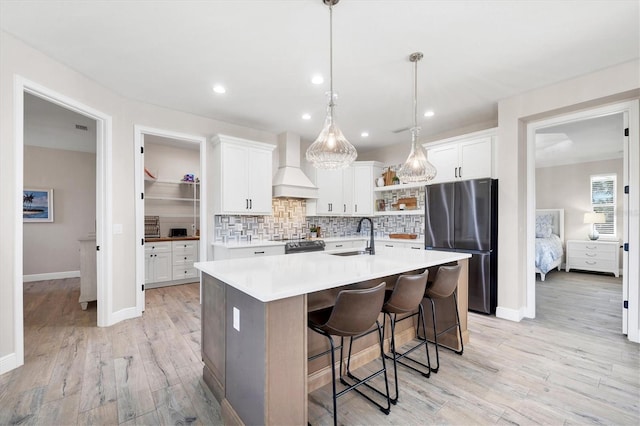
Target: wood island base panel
(255,341)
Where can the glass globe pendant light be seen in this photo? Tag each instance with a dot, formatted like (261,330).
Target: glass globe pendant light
(331,150)
(417,168)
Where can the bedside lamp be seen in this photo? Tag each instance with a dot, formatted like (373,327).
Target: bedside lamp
(593,218)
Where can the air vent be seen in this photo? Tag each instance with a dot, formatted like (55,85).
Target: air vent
(81,127)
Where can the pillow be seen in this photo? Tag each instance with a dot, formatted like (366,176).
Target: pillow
(544,226)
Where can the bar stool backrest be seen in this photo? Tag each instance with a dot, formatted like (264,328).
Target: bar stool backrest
(445,282)
(407,293)
(355,311)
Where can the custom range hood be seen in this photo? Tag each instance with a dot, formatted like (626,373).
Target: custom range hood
(290,181)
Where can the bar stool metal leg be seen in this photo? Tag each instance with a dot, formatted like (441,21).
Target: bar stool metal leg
(436,334)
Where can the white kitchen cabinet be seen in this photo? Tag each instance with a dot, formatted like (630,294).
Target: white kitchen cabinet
(242,173)
(337,245)
(409,244)
(347,192)
(462,159)
(330,192)
(221,252)
(365,174)
(157,262)
(183,254)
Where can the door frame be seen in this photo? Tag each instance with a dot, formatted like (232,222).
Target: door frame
(139,132)
(631,233)
(103,203)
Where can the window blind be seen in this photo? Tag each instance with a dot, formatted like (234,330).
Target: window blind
(603,200)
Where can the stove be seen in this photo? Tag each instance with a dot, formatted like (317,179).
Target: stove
(303,246)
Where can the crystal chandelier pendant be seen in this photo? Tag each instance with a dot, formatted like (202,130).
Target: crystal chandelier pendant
(417,168)
(331,150)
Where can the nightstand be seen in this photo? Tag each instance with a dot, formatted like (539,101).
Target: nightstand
(600,256)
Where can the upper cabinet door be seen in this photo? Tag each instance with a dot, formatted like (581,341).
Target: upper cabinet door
(364,176)
(259,181)
(445,159)
(235,178)
(475,159)
(329,183)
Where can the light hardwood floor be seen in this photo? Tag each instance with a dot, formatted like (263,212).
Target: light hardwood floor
(570,365)
(142,371)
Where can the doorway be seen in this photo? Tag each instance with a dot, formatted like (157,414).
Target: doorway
(627,113)
(194,221)
(59,201)
(23,86)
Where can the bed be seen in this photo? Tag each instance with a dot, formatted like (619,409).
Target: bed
(549,240)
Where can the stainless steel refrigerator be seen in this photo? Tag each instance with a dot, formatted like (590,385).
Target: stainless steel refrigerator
(463,217)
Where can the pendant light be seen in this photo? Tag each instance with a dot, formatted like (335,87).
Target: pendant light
(331,150)
(417,168)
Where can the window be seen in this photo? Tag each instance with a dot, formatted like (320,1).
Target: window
(603,200)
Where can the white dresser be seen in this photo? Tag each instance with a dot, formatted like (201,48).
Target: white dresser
(88,274)
(600,256)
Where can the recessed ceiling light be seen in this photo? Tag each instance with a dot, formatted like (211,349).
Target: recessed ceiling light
(317,79)
(218,88)
(364,134)
(429,114)
(306,116)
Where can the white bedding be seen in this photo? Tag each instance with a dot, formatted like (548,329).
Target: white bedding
(548,252)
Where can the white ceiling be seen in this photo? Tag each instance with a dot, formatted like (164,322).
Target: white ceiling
(170,53)
(593,139)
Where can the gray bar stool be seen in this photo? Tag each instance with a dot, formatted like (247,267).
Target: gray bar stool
(405,298)
(353,314)
(444,285)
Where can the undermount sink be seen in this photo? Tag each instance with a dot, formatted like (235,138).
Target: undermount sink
(349,253)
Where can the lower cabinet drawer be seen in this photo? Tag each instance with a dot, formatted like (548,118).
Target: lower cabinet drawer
(180,273)
(255,251)
(183,259)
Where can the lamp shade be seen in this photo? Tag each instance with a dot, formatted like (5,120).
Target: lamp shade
(592,217)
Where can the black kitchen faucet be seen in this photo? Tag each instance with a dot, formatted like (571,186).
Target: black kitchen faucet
(372,248)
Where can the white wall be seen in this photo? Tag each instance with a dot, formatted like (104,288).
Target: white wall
(18,59)
(569,187)
(53,247)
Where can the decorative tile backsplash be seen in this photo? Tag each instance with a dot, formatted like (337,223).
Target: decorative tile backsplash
(289,221)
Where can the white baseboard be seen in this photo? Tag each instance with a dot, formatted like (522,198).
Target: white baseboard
(123,314)
(509,314)
(50,276)
(8,363)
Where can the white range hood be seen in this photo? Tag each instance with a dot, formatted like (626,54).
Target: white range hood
(290,181)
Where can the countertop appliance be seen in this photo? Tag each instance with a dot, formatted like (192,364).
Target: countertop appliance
(463,217)
(303,246)
(178,232)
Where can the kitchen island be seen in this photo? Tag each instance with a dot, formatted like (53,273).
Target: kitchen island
(254,323)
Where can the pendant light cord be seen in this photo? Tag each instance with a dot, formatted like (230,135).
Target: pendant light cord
(415,97)
(331,104)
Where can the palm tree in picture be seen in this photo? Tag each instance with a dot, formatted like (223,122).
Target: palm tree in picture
(27,201)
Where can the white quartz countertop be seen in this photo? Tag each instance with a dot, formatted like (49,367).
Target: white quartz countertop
(271,278)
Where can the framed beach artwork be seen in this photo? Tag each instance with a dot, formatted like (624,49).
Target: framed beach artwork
(37,205)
